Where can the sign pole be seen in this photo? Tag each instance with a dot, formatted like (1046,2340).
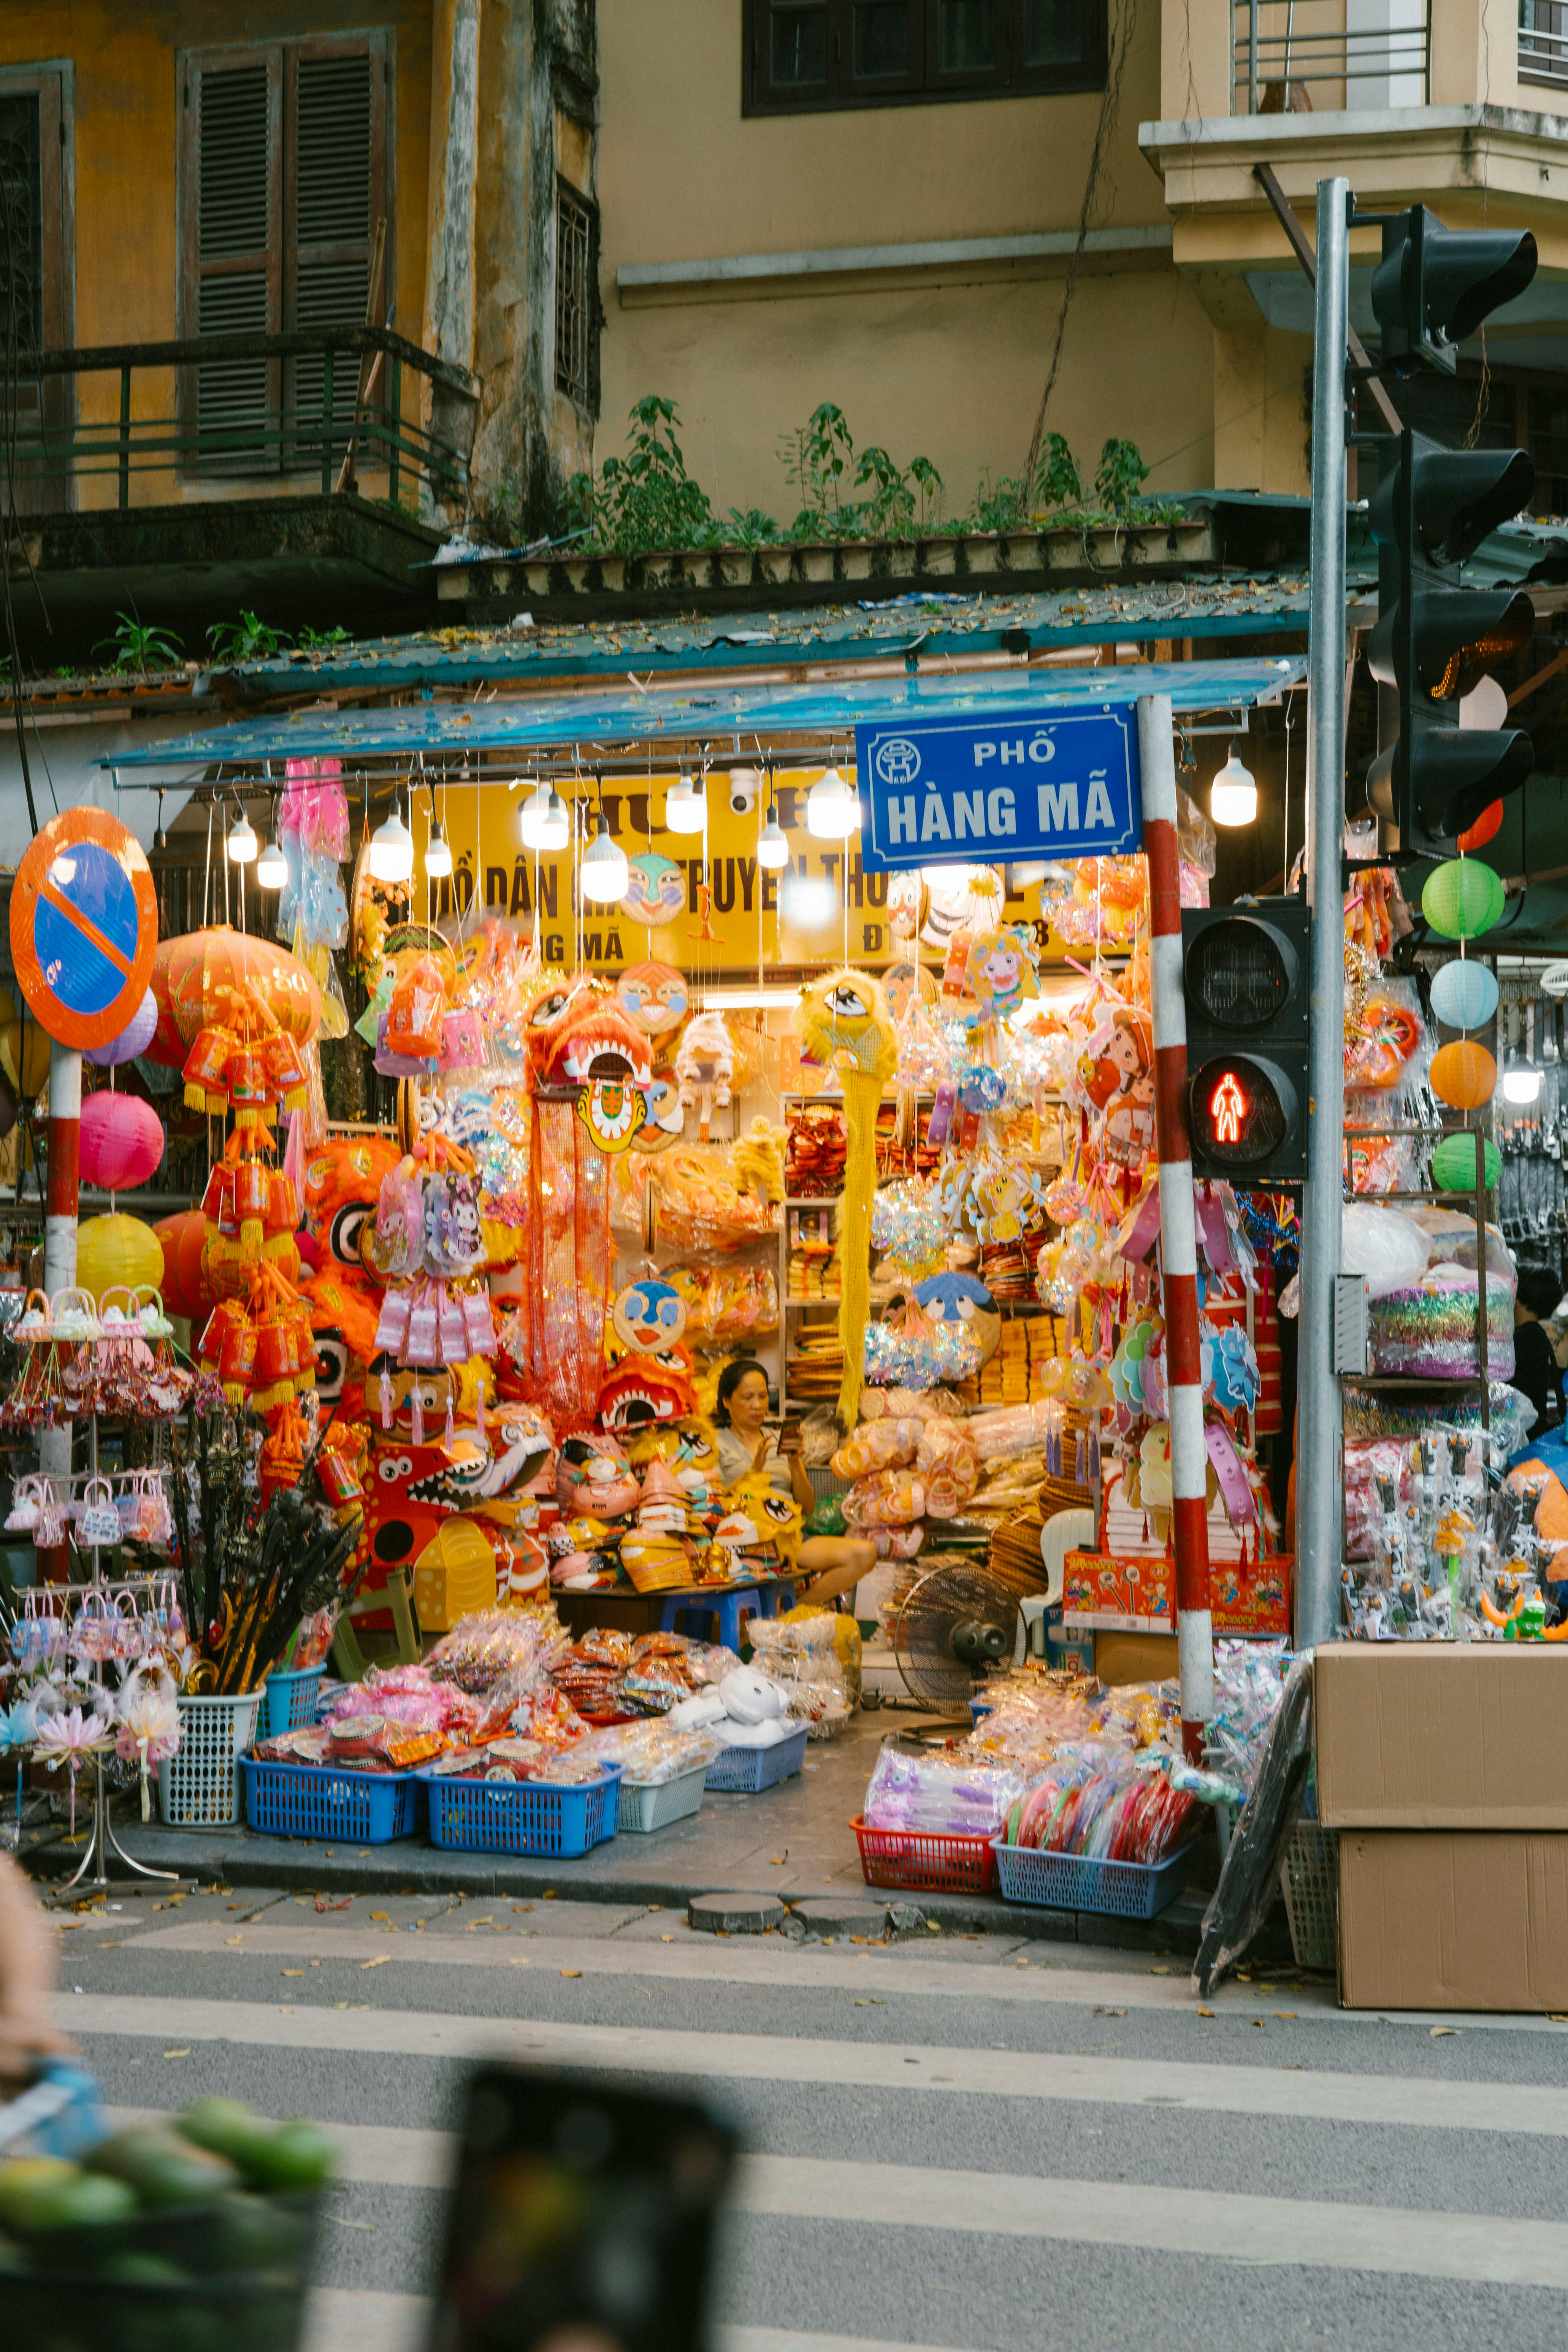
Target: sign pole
(60,1207)
(1178,1228)
(1320,1439)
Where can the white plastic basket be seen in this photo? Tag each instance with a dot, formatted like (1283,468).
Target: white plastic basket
(198,1787)
(645,1806)
(1310,1882)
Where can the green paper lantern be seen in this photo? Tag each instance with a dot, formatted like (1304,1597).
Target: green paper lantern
(1454,1164)
(1462,899)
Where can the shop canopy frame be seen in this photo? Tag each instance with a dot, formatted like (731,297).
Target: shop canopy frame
(595,732)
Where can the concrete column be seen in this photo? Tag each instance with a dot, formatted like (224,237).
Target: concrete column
(1240,417)
(454,154)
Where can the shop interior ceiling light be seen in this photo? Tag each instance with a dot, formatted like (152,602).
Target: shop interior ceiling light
(1026,875)
(241,841)
(832,810)
(438,854)
(686,808)
(807,900)
(772,849)
(605,872)
(750,1000)
(542,820)
(272,868)
(1520,1080)
(392,849)
(1233,795)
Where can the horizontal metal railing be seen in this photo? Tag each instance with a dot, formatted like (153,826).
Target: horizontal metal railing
(1294,53)
(1543,42)
(60,431)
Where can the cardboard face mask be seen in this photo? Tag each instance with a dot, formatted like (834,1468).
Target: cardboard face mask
(649,1315)
(654,995)
(655,889)
(594,1479)
(648,1389)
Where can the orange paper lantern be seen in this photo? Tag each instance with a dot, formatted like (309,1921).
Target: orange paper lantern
(1464,1075)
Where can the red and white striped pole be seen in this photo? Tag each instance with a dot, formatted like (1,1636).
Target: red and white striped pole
(1178,1230)
(61,1204)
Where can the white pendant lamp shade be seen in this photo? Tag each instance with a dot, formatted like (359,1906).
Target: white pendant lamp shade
(832,809)
(605,870)
(272,867)
(686,809)
(241,841)
(772,849)
(542,820)
(392,850)
(1520,1081)
(1233,795)
(438,855)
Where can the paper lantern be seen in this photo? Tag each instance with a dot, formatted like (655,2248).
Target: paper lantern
(1464,994)
(1454,1164)
(7,1109)
(1486,826)
(122,1141)
(25,1056)
(1462,899)
(133,1039)
(185,1288)
(118,1253)
(220,979)
(1464,1075)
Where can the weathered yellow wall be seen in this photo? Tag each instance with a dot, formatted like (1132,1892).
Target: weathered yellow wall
(124,142)
(946,364)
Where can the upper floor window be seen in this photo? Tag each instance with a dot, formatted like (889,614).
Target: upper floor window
(803,56)
(576,274)
(283,197)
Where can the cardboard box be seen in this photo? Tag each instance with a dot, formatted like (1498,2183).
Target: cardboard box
(1453,1920)
(1115,1593)
(1134,1658)
(1442,1734)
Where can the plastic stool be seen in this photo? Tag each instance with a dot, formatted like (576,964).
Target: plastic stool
(725,1606)
(774,1598)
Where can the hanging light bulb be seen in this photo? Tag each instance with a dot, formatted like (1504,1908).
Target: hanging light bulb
(1520,1080)
(772,849)
(392,849)
(832,810)
(272,868)
(437,853)
(1233,795)
(686,807)
(543,821)
(241,841)
(605,872)
(1023,876)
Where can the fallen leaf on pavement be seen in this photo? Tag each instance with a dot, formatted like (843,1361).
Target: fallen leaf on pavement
(1287,2012)
(1434,2031)
(344,1905)
(292,1973)
(1206,2013)
(234,1939)
(381,1915)
(177,2053)
(1111,2013)
(571,1972)
(380,1961)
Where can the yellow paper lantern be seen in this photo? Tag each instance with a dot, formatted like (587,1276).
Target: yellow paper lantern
(25,1056)
(114,1252)
(1463,1074)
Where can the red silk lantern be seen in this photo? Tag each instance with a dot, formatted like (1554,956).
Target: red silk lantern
(186,1290)
(122,1141)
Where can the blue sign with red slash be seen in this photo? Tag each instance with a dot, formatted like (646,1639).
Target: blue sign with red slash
(84,926)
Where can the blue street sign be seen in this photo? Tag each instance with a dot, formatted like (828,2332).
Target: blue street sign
(1063,783)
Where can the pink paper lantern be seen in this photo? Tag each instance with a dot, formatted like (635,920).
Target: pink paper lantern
(122,1141)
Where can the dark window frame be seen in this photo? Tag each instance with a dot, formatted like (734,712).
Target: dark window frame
(582,389)
(48,404)
(283,255)
(923,83)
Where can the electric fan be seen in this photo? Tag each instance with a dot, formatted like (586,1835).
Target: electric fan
(956,1621)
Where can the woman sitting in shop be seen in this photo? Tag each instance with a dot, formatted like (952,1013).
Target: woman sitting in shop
(745,1445)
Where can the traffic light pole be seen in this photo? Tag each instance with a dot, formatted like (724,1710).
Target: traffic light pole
(1319,1433)
(1178,1228)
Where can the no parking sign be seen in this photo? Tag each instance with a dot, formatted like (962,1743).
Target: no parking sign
(84,926)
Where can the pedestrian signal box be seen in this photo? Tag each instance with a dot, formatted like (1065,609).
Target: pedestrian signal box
(1245,983)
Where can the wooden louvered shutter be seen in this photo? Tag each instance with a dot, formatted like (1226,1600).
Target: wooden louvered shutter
(232,282)
(335,195)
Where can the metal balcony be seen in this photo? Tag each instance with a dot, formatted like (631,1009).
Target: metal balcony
(1293,57)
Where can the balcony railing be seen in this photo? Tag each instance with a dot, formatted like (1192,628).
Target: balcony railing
(1543,42)
(1302,56)
(334,408)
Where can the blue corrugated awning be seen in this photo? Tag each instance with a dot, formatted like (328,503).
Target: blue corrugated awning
(602,723)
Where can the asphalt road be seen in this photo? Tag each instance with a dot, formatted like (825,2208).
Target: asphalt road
(964,2142)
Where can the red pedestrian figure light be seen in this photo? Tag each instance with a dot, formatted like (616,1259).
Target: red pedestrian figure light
(1227,1107)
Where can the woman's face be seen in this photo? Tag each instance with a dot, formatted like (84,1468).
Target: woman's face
(749,1402)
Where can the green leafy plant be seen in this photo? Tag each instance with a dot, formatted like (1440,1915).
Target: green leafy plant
(816,457)
(322,641)
(646,499)
(905,500)
(1120,476)
(1057,479)
(247,639)
(999,504)
(141,646)
(751,527)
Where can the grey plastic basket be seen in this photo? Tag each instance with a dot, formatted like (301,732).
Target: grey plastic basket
(745,1771)
(1310,1882)
(654,1805)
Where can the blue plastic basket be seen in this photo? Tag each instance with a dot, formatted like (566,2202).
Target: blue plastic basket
(1073,1882)
(312,1800)
(743,1771)
(290,1701)
(523,1816)
(979,1708)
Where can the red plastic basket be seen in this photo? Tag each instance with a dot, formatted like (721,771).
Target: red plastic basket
(925,1861)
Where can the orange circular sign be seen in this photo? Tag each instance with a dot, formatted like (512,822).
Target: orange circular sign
(84,926)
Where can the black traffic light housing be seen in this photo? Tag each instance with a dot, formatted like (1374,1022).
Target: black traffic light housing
(1433,286)
(1246,980)
(1435,640)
